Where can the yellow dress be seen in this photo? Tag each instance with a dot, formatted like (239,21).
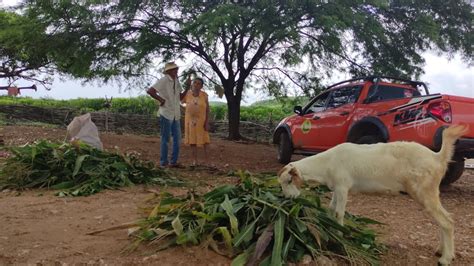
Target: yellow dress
(194,118)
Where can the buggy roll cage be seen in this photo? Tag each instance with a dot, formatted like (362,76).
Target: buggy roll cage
(376,79)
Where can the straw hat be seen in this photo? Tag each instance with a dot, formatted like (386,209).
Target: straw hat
(169,66)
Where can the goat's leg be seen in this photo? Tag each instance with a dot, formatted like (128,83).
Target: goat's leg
(440,248)
(340,204)
(433,205)
(447,234)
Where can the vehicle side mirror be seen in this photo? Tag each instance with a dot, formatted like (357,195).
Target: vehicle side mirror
(298,109)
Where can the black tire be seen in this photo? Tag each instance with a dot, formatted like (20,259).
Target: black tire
(454,172)
(370,139)
(284,149)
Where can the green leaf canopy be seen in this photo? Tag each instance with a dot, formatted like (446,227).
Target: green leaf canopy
(263,43)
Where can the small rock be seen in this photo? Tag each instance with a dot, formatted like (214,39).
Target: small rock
(324,261)
(6,190)
(463,254)
(132,230)
(402,246)
(152,257)
(99,217)
(24,252)
(423,257)
(306,260)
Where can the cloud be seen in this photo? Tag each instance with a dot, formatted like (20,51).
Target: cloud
(445,76)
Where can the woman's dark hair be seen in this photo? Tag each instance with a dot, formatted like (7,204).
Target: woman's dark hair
(200,79)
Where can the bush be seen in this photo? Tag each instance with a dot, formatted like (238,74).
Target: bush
(219,112)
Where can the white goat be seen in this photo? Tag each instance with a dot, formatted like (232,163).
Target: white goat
(383,167)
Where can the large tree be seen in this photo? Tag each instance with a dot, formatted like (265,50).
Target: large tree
(266,43)
(24,49)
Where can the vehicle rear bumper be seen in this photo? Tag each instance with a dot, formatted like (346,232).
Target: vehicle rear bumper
(466,147)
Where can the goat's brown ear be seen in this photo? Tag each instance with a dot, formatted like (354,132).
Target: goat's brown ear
(281,171)
(296,178)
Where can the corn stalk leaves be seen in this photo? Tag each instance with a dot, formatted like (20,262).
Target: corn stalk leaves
(241,259)
(177,226)
(288,245)
(245,235)
(63,185)
(155,211)
(258,225)
(279,231)
(77,169)
(234,223)
(262,243)
(218,193)
(160,234)
(315,233)
(33,153)
(78,164)
(227,238)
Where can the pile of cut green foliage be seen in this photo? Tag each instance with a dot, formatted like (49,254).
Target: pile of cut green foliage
(253,223)
(76,169)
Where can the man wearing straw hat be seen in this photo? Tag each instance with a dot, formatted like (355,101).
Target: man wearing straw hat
(167,91)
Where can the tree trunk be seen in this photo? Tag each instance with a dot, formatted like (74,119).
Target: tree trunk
(233,111)
(233,108)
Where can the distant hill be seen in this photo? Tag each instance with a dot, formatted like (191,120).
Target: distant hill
(215,103)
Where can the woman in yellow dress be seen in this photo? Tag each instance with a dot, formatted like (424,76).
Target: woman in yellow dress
(196,119)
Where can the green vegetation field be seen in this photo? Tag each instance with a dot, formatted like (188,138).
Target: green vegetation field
(264,111)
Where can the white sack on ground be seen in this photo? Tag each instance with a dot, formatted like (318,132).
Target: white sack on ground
(82,128)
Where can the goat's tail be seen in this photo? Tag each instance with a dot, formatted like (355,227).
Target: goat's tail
(450,135)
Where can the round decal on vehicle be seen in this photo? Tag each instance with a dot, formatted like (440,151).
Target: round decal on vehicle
(306,126)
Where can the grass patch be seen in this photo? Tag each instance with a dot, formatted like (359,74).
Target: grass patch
(4,121)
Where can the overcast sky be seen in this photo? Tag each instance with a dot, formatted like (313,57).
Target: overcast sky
(444,76)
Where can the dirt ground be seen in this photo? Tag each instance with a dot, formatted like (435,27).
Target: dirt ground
(39,228)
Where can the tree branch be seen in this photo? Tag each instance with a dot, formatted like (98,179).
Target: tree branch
(227,59)
(283,72)
(344,57)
